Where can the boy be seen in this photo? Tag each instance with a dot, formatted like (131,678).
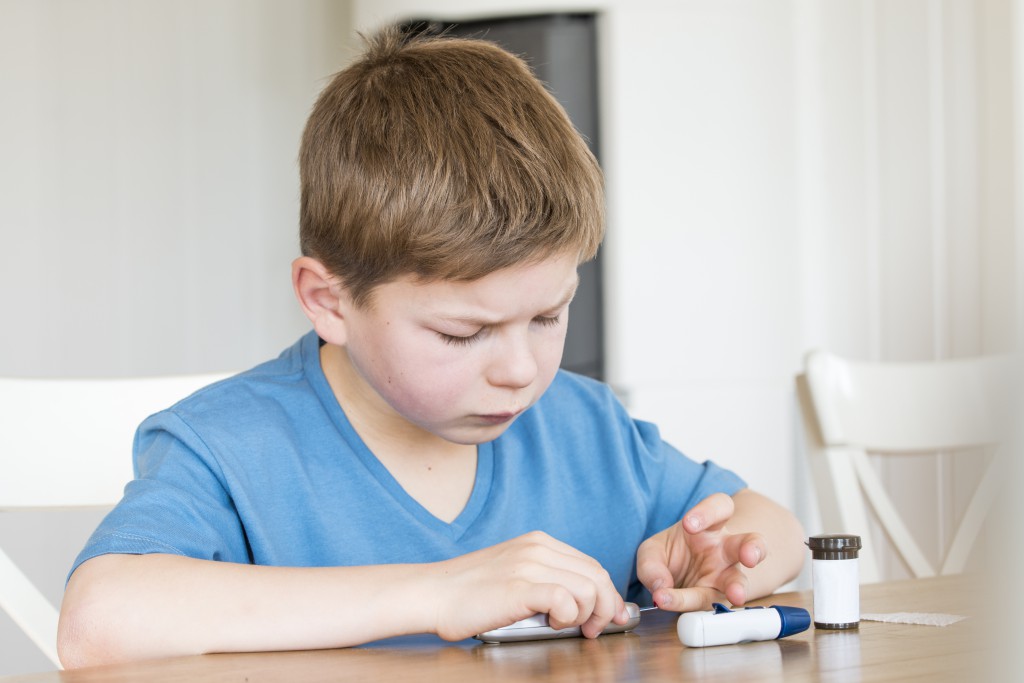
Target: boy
(417,463)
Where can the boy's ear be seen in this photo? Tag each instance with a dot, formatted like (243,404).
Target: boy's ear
(322,298)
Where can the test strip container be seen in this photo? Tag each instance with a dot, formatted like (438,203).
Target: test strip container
(835,573)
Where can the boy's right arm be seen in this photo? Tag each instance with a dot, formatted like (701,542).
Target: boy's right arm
(123,607)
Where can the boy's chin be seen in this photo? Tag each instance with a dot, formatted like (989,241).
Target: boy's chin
(475,435)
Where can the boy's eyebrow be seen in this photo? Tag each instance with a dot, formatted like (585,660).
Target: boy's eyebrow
(570,294)
(476,320)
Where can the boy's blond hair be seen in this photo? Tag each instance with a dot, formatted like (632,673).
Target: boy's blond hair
(446,159)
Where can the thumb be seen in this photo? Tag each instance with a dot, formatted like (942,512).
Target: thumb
(652,565)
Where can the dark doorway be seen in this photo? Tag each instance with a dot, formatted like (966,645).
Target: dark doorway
(562,50)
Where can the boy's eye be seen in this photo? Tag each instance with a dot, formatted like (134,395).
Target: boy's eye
(455,340)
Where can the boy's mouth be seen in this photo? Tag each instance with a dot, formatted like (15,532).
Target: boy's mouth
(498,418)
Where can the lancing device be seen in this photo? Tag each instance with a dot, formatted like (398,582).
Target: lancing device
(724,626)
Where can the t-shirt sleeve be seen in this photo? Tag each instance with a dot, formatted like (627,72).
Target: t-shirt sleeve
(177,503)
(673,482)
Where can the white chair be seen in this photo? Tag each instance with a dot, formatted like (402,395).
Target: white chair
(65,444)
(854,408)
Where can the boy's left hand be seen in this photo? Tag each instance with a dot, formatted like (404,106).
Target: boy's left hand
(696,561)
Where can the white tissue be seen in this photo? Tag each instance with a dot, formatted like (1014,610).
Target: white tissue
(923,618)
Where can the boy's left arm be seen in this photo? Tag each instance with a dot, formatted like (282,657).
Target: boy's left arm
(741,547)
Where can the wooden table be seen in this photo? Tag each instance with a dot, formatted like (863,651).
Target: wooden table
(875,652)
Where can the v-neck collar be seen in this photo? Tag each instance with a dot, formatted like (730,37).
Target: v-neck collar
(484,455)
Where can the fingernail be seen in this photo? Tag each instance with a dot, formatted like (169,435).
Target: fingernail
(658,583)
(694,522)
(757,554)
(666,601)
(625,614)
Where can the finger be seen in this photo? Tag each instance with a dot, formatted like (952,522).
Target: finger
(732,585)
(599,601)
(596,604)
(652,564)
(687,599)
(552,599)
(608,607)
(709,514)
(548,551)
(735,583)
(581,588)
(748,549)
(623,616)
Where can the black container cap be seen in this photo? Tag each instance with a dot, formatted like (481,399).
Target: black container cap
(834,546)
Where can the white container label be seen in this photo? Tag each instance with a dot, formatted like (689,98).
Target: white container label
(836,591)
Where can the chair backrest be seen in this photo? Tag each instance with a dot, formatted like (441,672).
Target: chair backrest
(852,408)
(66,443)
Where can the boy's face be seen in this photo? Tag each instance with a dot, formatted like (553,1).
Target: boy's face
(460,360)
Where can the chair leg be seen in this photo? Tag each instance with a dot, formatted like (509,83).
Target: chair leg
(32,613)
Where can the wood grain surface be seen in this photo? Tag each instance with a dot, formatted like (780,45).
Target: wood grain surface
(874,652)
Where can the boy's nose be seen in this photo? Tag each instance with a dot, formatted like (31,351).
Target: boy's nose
(514,364)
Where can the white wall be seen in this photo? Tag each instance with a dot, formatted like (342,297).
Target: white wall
(1017,31)
(788,174)
(149,205)
(148,202)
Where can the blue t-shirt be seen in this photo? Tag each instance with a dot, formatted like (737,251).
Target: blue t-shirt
(265,468)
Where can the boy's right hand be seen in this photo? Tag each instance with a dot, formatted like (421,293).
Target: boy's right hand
(531,574)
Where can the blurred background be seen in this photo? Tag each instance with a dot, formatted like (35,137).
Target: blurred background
(781,175)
